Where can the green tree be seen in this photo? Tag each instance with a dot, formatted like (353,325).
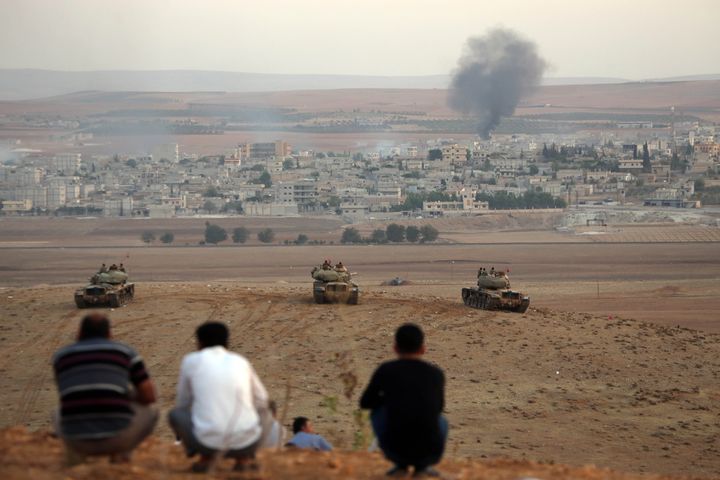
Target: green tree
(699,185)
(288,164)
(350,235)
(302,239)
(429,233)
(378,236)
(214,233)
(395,233)
(412,233)
(211,192)
(209,206)
(147,236)
(434,154)
(167,238)
(266,235)
(131,162)
(265,179)
(240,235)
(647,166)
(534,170)
(234,206)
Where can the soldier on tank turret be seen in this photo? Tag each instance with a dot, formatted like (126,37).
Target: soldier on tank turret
(121,268)
(103,269)
(112,268)
(327,265)
(340,268)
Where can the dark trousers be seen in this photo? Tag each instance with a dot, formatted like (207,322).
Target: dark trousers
(181,422)
(378,418)
(124,442)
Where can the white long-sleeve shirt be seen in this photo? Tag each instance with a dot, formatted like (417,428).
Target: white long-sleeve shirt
(223,393)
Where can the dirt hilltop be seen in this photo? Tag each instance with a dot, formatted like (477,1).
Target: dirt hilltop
(29,456)
(545,386)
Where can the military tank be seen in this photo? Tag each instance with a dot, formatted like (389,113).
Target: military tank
(493,293)
(331,286)
(106,289)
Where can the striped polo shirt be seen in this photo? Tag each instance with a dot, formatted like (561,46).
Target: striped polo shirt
(93,378)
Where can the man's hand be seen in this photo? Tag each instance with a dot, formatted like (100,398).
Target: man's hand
(146,392)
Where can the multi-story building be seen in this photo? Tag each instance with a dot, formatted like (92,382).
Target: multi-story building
(258,151)
(56,196)
(454,154)
(68,163)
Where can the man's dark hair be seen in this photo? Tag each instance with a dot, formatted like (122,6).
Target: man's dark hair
(94,325)
(299,423)
(211,334)
(409,338)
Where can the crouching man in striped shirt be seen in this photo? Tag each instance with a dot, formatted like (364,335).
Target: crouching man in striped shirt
(105,395)
(221,405)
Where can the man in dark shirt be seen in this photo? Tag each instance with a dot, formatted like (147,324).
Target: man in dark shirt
(406,397)
(100,413)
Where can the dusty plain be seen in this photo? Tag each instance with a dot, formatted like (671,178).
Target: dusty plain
(615,364)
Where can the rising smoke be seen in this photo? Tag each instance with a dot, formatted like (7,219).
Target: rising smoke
(495,71)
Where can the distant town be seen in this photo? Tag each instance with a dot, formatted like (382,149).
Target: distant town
(676,165)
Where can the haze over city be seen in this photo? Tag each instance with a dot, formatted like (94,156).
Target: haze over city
(319,239)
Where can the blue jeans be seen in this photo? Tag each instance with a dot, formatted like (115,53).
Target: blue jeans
(378,418)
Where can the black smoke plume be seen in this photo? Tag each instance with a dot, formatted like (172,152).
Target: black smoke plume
(494,72)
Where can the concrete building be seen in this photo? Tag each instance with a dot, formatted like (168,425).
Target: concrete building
(68,163)
(467,204)
(259,151)
(258,209)
(118,207)
(36,194)
(454,154)
(354,210)
(11,207)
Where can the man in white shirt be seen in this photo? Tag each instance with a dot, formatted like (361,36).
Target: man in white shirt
(221,404)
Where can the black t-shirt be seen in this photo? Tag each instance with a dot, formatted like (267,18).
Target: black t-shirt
(413,394)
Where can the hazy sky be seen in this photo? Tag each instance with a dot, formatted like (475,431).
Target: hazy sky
(615,38)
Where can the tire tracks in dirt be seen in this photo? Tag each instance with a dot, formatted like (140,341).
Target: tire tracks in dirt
(39,376)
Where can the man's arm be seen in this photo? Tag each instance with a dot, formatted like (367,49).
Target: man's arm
(144,386)
(323,445)
(183,397)
(372,397)
(146,392)
(259,393)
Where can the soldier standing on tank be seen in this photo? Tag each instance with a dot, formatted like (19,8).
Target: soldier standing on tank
(327,265)
(103,269)
(340,268)
(492,271)
(121,268)
(113,267)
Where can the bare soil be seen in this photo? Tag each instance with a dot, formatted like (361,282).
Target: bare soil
(615,364)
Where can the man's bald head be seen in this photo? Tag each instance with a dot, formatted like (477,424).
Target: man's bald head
(94,325)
